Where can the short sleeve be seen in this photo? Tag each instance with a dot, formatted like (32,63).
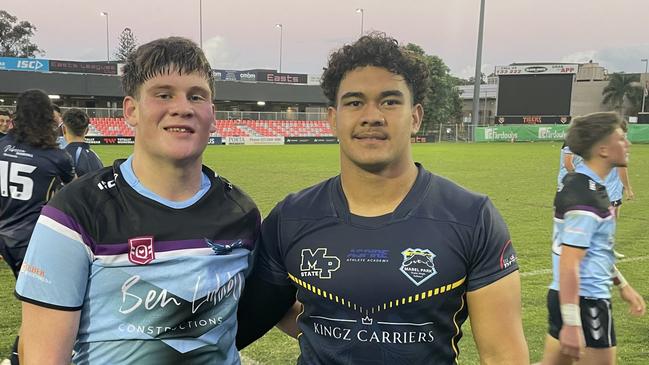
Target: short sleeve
(578,228)
(66,167)
(493,256)
(269,264)
(55,270)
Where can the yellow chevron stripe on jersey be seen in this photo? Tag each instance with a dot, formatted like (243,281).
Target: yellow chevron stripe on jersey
(420,296)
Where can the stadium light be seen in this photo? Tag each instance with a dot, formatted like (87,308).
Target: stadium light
(54,97)
(105,13)
(261,103)
(281,31)
(200,22)
(362,12)
(644,89)
(478,73)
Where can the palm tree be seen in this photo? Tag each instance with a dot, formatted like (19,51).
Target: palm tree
(620,87)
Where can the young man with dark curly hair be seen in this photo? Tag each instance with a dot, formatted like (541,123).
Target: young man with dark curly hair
(387,259)
(75,128)
(143,262)
(32,168)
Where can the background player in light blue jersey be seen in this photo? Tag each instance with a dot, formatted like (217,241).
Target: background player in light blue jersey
(567,162)
(143,262)
(580,315)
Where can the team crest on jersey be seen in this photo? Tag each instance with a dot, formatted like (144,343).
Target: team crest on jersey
(317,263)
(418,265)
(140,250)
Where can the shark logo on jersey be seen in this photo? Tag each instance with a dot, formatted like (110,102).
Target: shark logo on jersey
(317,263)
(140,250)
(418,265)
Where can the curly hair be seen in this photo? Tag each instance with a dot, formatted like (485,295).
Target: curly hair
(163,56)
(586,131)
(379,50)
(76,121)
(34,120)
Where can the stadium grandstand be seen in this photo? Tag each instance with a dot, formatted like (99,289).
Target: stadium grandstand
(520,102)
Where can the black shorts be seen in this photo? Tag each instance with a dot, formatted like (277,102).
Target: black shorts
(616,203)
(596,320)
(13,256)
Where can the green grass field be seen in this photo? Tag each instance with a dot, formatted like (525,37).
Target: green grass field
(520,178)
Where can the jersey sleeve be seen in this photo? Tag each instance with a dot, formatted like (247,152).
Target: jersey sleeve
(269,264)
(55,270)
(578,228)
(66,167)
(493,256)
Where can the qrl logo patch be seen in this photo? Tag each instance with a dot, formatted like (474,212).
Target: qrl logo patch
(140,250)
(418,265)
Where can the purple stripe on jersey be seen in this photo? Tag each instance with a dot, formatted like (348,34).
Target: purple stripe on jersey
(163,246)
(64,219)
(587,208)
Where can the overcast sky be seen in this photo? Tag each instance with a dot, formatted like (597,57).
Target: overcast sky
(242,35)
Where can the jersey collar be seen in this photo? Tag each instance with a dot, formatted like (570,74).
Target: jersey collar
(408,204)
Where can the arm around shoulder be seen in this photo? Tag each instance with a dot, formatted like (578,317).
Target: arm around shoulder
(47,335)
(496,321)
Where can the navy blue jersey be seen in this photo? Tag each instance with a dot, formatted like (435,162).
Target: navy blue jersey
(389,289)
(85,160)
(29,176)
(156,282)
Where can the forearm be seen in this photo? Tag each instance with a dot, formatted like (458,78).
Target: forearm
(624,177)
(288,324)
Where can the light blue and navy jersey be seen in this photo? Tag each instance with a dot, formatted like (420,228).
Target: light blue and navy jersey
(576,160)
(389,289)
(157,282)
(614,186)
(29,177)
(583,219)
(85,160)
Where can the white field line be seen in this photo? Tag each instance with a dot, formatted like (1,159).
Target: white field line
(549,271)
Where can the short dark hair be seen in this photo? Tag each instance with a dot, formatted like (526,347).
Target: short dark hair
(56,108)
(34,120)
(586,131)
(163,56)
(76,121)
(379,50)
(5,112)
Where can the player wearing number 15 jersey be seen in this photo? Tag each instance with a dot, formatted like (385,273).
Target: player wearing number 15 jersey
(32,167)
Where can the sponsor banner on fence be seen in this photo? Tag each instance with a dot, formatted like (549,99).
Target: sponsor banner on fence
(109,140)
(215,140)
(282,78)
(232,75)
(254,140)
(533,119)
(103,68)
(310,140)
(557,68)
(24,64)
(423,139)
(526,133)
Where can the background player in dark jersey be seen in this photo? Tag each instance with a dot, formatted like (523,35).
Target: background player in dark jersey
(5,122)
(143,262)
(387,259)
(579,299)
(32,167)
(75,127)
